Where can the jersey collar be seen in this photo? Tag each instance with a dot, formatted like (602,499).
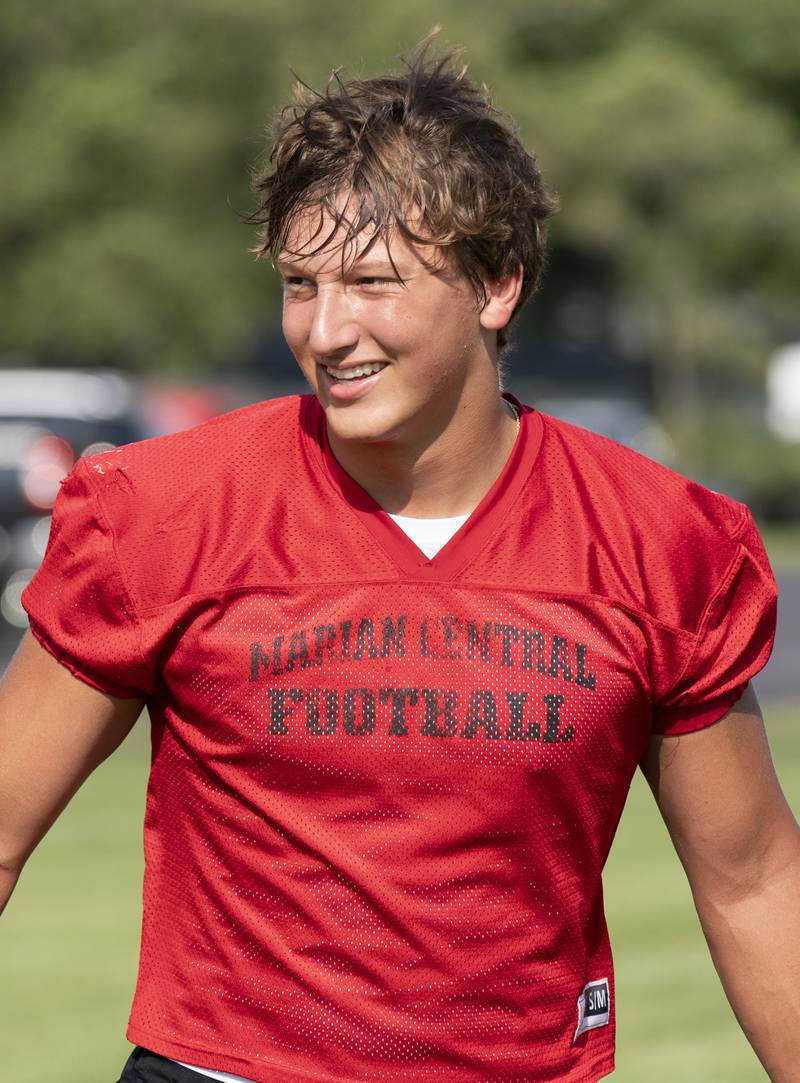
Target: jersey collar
(484,522)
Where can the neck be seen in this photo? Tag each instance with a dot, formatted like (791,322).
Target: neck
(439,473)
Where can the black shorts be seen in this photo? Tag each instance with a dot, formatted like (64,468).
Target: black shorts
(142,1066)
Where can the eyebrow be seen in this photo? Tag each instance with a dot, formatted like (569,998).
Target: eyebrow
(364,266)
(287,265)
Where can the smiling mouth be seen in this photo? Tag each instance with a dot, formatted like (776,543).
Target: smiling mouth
(357,372)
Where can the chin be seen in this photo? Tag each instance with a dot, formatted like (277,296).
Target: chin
(357,425)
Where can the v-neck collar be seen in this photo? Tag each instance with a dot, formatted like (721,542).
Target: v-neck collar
(471,537)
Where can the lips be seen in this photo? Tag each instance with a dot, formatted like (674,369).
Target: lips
(351,382)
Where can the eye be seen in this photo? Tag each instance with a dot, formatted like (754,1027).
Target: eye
(296,284)
(371,282)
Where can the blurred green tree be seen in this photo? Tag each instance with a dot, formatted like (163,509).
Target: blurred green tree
(681,188)
(669,129)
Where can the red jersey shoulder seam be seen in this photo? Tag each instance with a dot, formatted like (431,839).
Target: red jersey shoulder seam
(282,588)
(733,567)
(129,607)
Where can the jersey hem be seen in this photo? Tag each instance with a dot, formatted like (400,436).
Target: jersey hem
(278,1072)
(700,716)
(119,691)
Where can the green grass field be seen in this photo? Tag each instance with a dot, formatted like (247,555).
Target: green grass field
(69,939)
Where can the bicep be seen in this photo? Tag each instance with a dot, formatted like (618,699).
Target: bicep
(721,801)
(54,730)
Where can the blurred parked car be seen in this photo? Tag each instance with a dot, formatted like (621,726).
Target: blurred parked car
(49,419)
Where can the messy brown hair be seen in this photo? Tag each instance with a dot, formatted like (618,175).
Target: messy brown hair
(426,143)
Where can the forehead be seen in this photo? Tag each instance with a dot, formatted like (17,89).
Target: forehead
(330,242)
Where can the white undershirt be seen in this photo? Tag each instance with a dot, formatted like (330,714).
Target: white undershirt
(429,535)
(226,1077)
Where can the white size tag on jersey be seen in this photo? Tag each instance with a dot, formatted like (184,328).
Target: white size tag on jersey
(594,1007)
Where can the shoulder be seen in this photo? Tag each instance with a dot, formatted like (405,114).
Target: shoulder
(199,457)
(658,540)
(617,476)
(174,480)
(183,512)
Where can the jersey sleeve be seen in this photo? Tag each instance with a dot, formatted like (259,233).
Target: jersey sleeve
(78,604)
(732,643)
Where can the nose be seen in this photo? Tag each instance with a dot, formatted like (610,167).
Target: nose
(334,329)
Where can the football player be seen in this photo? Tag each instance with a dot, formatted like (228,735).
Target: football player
(403,642)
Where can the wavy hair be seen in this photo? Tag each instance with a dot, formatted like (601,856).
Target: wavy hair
(426,146)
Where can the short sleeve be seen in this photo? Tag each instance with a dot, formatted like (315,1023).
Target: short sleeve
(732,643)
(77,602)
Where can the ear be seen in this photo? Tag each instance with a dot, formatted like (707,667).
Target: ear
(501,300)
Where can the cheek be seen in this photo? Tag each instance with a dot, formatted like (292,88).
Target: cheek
(294,329)
(451,333)
(415,329)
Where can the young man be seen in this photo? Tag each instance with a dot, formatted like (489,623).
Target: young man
(403,643)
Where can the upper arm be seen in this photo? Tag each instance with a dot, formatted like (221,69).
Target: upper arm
(721,801)
(54,730)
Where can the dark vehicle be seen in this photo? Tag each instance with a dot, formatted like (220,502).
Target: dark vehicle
(49,419)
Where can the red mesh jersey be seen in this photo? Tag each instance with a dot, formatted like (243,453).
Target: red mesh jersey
(384,787)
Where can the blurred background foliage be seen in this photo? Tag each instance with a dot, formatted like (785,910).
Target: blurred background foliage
(669,129)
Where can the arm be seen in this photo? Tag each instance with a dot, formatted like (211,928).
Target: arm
(54,731)
(740,846)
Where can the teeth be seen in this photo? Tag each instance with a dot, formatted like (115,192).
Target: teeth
(354,373)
